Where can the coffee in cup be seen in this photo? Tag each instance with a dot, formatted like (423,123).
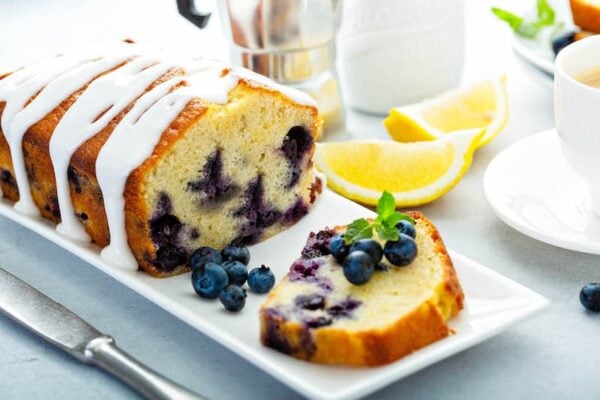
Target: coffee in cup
(577,111)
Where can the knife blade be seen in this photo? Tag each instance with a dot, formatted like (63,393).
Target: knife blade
(65,329)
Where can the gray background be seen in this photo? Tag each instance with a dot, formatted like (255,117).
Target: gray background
(552,356)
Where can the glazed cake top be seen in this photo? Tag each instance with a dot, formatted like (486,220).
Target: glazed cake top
(115,76)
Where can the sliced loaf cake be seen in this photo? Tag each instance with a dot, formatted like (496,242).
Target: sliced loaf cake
(152,157)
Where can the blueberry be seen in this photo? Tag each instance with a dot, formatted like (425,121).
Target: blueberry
(402,251)
(236,271)
(165,229)
(312,302)
(562,41)
(210,280)
(338,248)
(344,308)
(213,185)
(203,256)
(407,228)
(236,253)
(261,280)
(233,298)
(169,257)
(590,296)
(319,321)
(294,212)
(369,246)
(358,267)
(317,244)
(296,144)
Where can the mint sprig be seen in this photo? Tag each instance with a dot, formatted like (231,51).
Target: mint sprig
(528,27)
(384,224)
(357,230)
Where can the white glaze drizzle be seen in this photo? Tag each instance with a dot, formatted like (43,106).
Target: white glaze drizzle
(132,141)
(140,131)
(138,134)
(50,97)
(16,90)
(101,101)
(129,145)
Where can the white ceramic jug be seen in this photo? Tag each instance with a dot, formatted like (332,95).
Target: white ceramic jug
(396,52)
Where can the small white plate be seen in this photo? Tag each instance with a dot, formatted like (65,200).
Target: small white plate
(493,303)
(536,52)
(532,187)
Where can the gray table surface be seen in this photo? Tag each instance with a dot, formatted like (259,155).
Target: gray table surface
(550,357)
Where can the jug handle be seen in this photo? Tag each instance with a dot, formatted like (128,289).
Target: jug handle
(188,11)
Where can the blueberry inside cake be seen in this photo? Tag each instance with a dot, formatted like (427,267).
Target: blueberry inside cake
(151,158)
(315,313)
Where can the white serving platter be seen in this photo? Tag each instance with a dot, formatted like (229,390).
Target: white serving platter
(493,304)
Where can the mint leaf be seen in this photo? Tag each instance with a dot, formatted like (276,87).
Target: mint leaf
(513,20)
(387,232)
(528,29)
(386,229)
(398,216)
(357,230)
(384,224)
(545,13)
(386,205)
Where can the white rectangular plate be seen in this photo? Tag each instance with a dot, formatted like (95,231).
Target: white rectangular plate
(493,303)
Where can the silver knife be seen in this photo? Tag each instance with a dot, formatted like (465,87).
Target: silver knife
(65,329)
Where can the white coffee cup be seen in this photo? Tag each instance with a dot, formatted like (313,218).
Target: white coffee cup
(577,113)
(397,52)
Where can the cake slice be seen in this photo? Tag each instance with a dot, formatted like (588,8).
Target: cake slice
(315,314)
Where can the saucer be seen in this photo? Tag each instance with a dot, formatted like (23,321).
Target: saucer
(532,188)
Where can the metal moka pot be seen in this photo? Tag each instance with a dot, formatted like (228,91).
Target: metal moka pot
(290,41)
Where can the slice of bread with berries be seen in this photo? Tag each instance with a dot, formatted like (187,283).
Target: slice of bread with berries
(586,14)
(316,314)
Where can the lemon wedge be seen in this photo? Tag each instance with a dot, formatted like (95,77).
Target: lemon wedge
(415,173)
(482,105)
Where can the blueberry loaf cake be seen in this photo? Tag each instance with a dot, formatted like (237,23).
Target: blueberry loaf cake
(151,157)
(316,314)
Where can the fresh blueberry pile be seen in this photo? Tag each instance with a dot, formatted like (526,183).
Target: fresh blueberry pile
(223,273)
(360,259)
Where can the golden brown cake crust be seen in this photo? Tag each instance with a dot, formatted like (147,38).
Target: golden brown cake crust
(452,285)
(329,345)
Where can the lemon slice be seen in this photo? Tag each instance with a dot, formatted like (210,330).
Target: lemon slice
(482,105)
(415,173)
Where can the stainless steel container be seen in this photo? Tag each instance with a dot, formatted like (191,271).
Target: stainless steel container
(290,41)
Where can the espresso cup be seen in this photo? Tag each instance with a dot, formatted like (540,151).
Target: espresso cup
(577,113)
